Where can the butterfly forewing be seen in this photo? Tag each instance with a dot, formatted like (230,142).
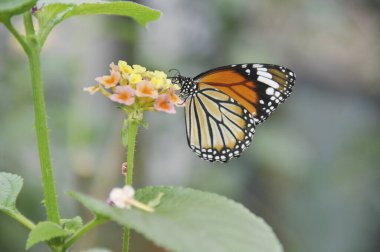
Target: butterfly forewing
(218,128)
(259,88)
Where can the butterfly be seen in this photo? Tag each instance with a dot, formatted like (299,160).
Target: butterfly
(225,104)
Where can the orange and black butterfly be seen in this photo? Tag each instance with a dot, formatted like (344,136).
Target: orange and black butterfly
(224,105)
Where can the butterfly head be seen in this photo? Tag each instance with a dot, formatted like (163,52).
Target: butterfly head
(188,86)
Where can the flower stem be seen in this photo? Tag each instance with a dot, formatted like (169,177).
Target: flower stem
(126,239)
(90,225)
(132,132)
(20,38)
(21,218)
(50,195)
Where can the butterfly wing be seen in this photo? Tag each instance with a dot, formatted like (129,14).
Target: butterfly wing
(259,88)
(218,128)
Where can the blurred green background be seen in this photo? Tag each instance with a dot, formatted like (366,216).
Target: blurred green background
(312,171)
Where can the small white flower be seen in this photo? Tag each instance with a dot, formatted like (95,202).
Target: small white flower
(122,197)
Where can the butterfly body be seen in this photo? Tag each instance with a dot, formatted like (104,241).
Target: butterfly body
(224,105)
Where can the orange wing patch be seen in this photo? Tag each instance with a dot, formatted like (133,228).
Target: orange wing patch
(234,85)
(222,77)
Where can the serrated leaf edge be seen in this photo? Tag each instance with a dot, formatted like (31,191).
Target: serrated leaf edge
(30,243)
(7,174)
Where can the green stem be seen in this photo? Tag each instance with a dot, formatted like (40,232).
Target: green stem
(21,39)
(90,225)
(126,239)
(132,132)
(50,195)
(28,24)
(21,218)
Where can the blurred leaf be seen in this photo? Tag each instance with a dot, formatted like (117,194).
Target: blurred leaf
(10,187)
(9,8)
(45,231)
(156,201)
(72,225)
(188,220)
(57,11)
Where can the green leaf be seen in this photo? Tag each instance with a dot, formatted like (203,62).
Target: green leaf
(45,231)
(156,201)
(10,187)
(72,225)
(9,8)
(53,13)
(188,220)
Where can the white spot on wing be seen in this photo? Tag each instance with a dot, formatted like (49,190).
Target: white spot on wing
(269,91)
(264,74)
(263,69)
(269,82)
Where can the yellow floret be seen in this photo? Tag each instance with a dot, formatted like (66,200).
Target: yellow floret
(158,82)
(124,67)
(134,78)
(160,74)
(176,87)
(167,84)
(148,75)
(139,69)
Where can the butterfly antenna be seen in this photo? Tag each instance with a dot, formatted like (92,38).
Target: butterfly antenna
(176,74)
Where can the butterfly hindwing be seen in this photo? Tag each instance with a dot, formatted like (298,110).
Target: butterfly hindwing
(218,128)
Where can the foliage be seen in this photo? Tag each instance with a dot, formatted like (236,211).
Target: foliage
(72,225)
(212,222)
(45,231)
(10,185)
(54,13)
(9,8)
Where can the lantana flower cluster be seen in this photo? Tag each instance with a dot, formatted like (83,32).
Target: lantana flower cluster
(135,87)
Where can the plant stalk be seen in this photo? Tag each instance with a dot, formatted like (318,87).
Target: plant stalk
(132,132)
(50,195)
(21,218)
(20,38)
(83,230)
